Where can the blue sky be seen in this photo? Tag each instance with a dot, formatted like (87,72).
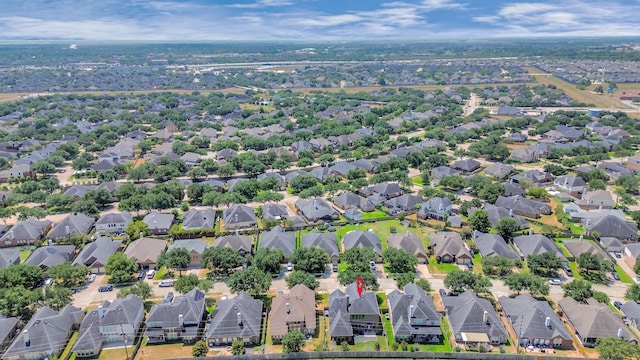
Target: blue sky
(194,20)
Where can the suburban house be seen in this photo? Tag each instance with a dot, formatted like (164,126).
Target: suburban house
(351,314)
(326,241)
(435,208)
(236,318)
(145,251)
(536,244)
(274,175)
(239,216)
(537,176)
(362,239)
(178,319)
(242,244)
(593,321)
(611,225)
(598,199)
(633,163)
(439,172)
(51,255)
(498,212)
(277,238)
(198,219)
(10,256)
(631,310)
(45,335)
(348,200)
(632,253)
(293,311)
(315,209)
(611,244)
(159,223)
(467,166)
(71,225)
(448,247)
(273,211)
(410,243)
(473,320)
(96,253)
(8,331)
(536,322)
(403,203)
(114,223)
(523,206)
(25,233)
(413,316)
(493,245)
(576,247)
(526,155)
(195,247)
(111,323)
(498,171)
(574,185)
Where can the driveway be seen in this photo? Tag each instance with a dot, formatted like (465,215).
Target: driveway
(89,295)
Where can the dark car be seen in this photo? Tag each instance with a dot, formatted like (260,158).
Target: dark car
(442,292)
(617,304)
(617,254)
(615,275)
(105,288)
(142,274)
(334,266)
(567,269)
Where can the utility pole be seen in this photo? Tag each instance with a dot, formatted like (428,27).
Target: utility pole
(125,341)
(519,334)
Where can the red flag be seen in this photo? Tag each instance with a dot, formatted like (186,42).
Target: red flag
(360,286)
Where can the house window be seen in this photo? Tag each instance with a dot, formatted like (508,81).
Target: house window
(557,342)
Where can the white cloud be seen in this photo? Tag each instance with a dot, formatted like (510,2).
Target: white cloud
(262,4)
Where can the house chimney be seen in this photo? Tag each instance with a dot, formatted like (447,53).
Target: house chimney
(510,212)
(620,333)
(475,234)
(547,322)
(67,230)
(27,340)
(348,303)
(530,231)
(410,311)
(237,231)
(239,316)
(181,320)
(315,204)
(485,317)
(100,312)
(141,235)
(50,242)
(288,308)
(581,237)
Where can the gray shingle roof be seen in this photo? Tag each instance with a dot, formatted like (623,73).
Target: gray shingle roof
(199,219)
(190,306)
(239,215)
(493,245)
(227,323)
(537,244)
(159,221)
(97,252)
(359,239)
(192,245)
(277,238)
(29,230)
(70,225)
(326,241)
(51,255)
(316,208)
(408,241)
(594,320)
(530,314)
(415,299)
(146,250)
(236,242)
(466,313)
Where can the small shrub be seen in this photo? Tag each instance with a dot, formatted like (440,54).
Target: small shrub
(404,346)
(502,349)
(377,346)
(345,346)
(482,349)
(458,349)
(395,346)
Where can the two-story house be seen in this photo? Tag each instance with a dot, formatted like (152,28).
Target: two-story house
(353,314)
(236,318)
(114,223)
(293,311)
(178,319)
(414,316)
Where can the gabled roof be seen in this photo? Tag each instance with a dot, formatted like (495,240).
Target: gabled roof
(360,239)
(437,205)
(631,310)
(611,225)
(498,170)
(442,171)
(146,250)
(47,332)
(199,219)
(413,300)
(531,315)
(159,221)
(408,242)
(78,191)
(299,306)
(466,165)
(537,244)
(30,229)
(498,212)
(190,306)
(51,255)
(466,312)
(239,317)
(406,201)
(97,252)
(493,245)
(6,256)
(576,248)
(115,218)
(238,214)
(274,211)
(192,245)
(316,208)
(594,320)
(70,225)
(448,243)
(277,238)
(523,205)
(236,242)
(326,241)
(7,326)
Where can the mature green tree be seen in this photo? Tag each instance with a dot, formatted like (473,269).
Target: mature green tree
(601,297)
(55,297)
(424,284)
(120,267)
(237,347)
(186,283)
(459,281)
(17,301)
(491,192)
(497,266)
(452,182)
(404,279)
(527,282)
(479,220)
(221,259)
(399,261)
(200,349)
(617,349)
(281,165)
(86,206)
(101,197)
(135,228)
(506,227)
(629,183)
(43,167)
(21,275)
(269,260)
(350,276)
(251,280)
(302,182)
(359,258)
(578,289)
(266,196)
(293,341)
(176,258)
(141,289)
(538,193)
(310,259)
(68,275)
(633,292)
(302,277)
(589,262)
(545,264)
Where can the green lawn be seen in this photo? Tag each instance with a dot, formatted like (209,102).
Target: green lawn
(388,328)
(67,349)
(442,268)
(576,228)
(445,346)
(417,180)
(477,264)
(574,269)
(376,214)
(24,254)
(383,229)
(624,277)
(368,345)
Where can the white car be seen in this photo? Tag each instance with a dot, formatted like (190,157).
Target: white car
(555,281)
(289,266)
(91,278)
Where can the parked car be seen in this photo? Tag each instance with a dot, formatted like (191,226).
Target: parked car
(48,281)
(334,266)
(169,296)
(617,254)
(615,275)
(567,269)
(142,274)
(91,278)
(289,266)
(555,281)
(372,265)
(442,292)
(617,304)
(151,274)
(166,283)
(105,288)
